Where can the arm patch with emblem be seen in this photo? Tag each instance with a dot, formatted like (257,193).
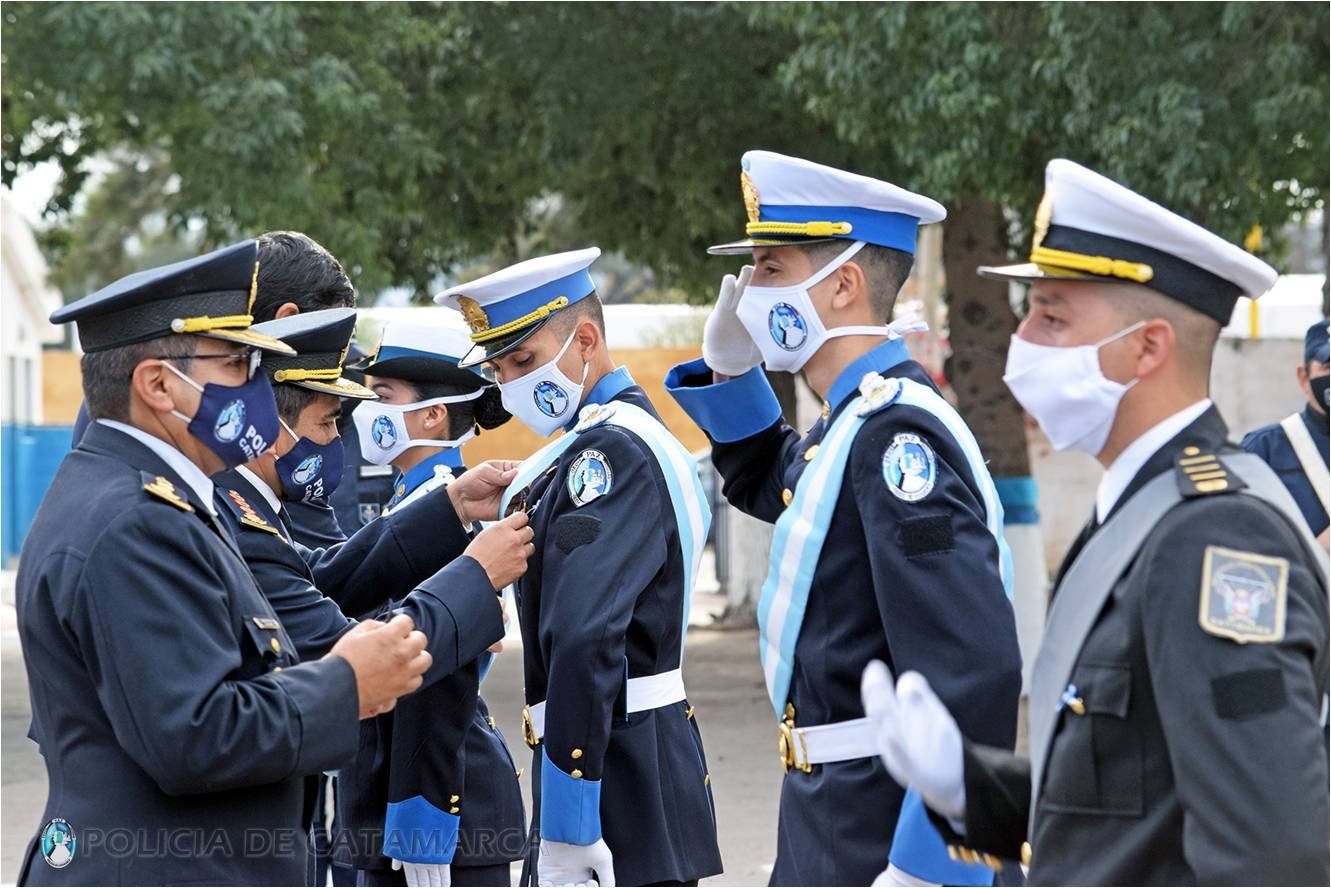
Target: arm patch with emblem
(572,531)
(1243,595)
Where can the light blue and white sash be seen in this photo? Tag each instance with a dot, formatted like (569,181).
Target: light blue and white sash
(802,528)
(693,517)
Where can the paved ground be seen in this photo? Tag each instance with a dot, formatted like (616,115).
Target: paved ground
(725,686)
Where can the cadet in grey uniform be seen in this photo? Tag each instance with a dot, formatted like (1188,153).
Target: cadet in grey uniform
(1176,703)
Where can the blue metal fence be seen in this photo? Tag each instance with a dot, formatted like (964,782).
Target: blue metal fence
(29,456)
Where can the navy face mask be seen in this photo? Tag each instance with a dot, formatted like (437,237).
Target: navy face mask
(1319,386)
(310,472)
(236,422)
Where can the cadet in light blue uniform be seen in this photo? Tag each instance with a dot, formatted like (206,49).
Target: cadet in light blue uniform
(1296,447)
(888,540)
(620,784)
(427,408)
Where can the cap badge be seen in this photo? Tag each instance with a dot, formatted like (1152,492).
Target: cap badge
(750,196)
(473,314)
(1043,215)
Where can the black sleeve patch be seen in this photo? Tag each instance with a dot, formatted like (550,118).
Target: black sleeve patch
(1247,694)
(927,535)
(572,531)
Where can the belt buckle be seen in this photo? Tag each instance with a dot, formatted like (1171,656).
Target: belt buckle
(789,749)
(529,729)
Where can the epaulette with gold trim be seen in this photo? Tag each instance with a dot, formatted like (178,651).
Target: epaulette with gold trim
(246,514)
(161,488)
(1201,473)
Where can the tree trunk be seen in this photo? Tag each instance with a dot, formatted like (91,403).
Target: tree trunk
(980,321)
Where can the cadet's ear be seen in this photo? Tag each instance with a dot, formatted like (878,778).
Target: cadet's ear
(436,416)
(150,382)
(286,310)
(850,286)
(587,337)
(1158,345)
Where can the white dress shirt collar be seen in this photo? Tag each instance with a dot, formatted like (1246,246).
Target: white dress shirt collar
(1121,472)
(191,474)
(262,486)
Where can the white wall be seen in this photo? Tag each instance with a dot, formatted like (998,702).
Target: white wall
(26,301)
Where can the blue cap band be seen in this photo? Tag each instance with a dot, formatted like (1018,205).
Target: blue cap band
(573,287)
(895,230)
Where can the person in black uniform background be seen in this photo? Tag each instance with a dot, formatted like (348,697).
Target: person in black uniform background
(166,695)
(1176,703)
(1296,447)
(427,408)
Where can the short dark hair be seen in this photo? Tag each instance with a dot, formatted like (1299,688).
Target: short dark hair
(885,271)
(107,373)
(294,268)
(589,308)
(291,400)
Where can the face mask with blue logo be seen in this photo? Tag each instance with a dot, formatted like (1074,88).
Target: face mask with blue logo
(236,422)
(545,398)
(382,428)
(310,471)
(784,324)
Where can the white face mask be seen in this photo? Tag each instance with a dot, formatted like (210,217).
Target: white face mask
(382,428)
(784,324)
(545,398)
(1066,391)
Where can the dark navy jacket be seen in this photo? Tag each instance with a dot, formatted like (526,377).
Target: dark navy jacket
(915,584)
(153,662)
(454,607)
(602,601)
(1272,445)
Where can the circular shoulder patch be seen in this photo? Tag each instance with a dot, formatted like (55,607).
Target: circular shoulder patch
(909,467)
(589,477)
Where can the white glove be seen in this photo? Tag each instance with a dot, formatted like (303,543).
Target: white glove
(895,878)
(726,345)
(917,738)
(563,864)
(425,875)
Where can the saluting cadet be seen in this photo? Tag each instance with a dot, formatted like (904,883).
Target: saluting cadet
(889,533)
(1296,447)
(1175,706)
(620,784)
(166,695)
(427,408)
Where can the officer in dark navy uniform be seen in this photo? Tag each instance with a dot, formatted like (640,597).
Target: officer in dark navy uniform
(432,407)
(1176,704)
(381,562)
(620,784)
(166,694)
(1296,447)
(905,561)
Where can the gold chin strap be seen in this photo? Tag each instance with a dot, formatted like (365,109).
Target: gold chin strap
(205,323)
(801,229)
(518,323)
(1061,260)
(296,374)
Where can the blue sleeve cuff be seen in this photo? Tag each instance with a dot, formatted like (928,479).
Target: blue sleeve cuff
(727,411)
(1020,497)
(918,849)
(570,806)
(418,832)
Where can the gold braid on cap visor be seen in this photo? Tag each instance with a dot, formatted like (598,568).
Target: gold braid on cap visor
(296,374)
(798,229)
(1103,266)
(518,323)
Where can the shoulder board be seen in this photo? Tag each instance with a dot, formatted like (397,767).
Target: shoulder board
(245,513)
(161,488)
(594,415)
(1202,473)
(878,393)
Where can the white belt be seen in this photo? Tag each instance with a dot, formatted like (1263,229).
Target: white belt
(642,694)
(845,741)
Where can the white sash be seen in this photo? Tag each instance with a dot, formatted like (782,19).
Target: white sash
(1313,467)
